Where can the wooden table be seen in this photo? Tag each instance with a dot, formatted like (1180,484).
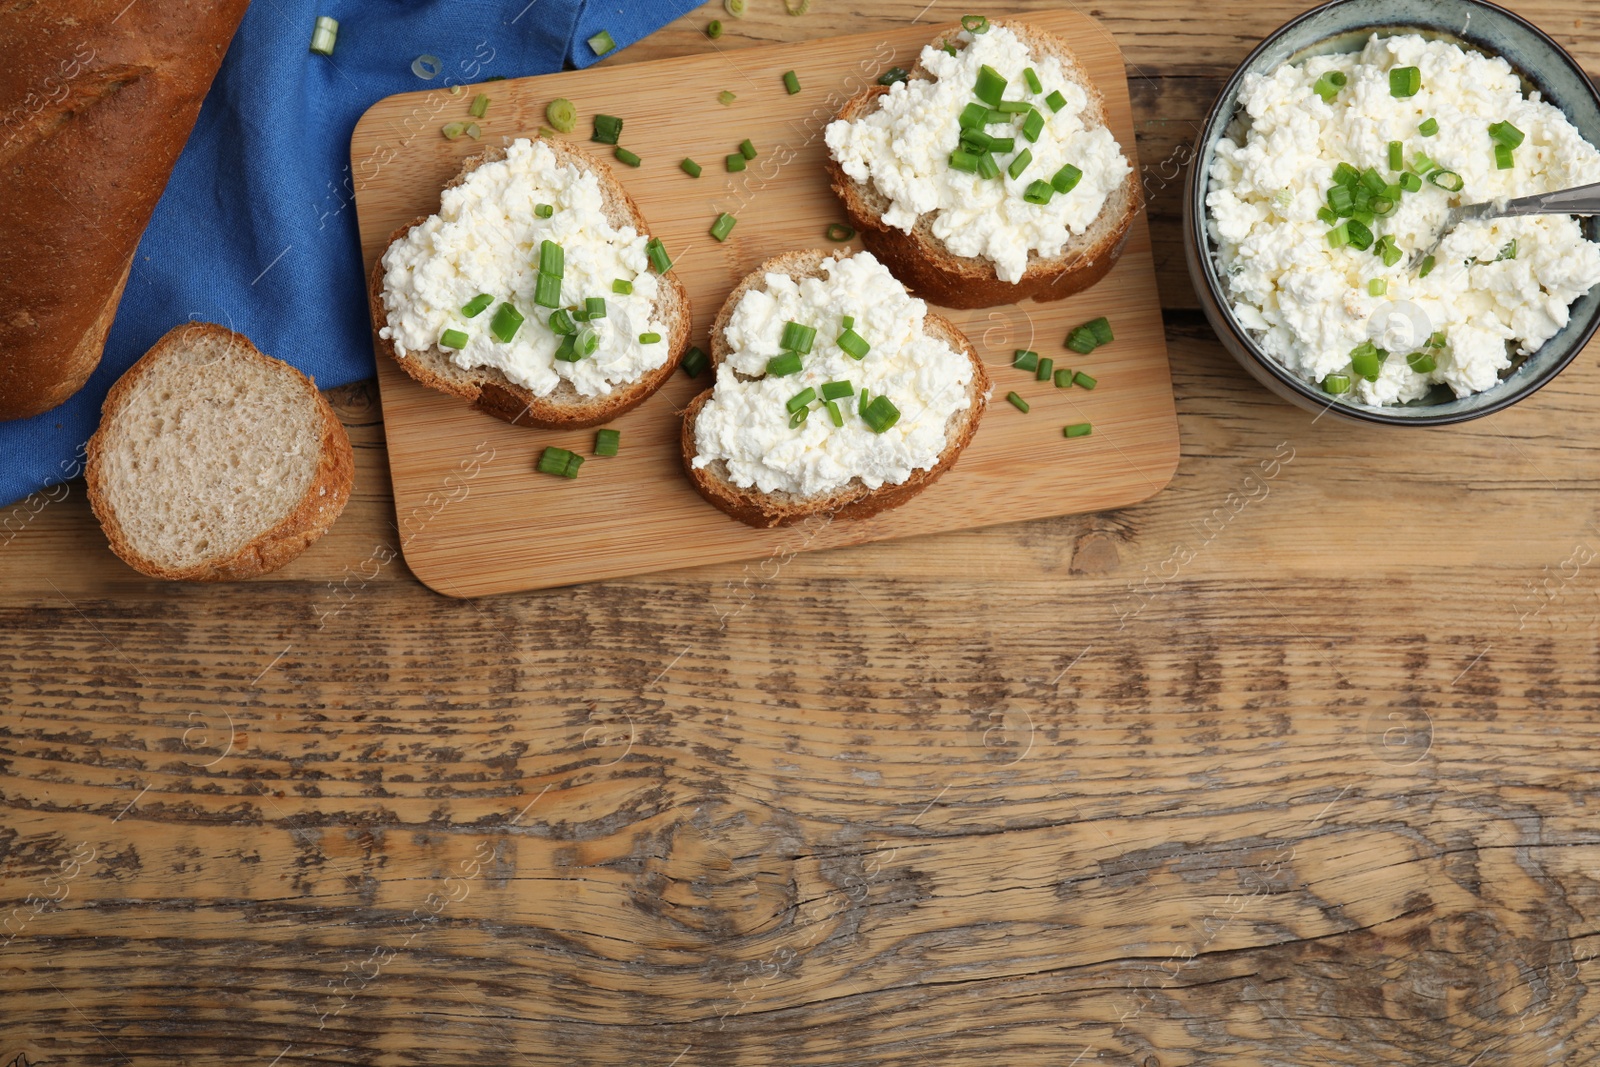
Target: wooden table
(1292,764)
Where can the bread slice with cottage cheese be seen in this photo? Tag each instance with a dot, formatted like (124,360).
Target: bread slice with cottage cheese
(486,239)
(733,444)
(888,156)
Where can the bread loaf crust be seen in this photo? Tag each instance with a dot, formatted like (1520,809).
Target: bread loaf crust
(97,98)
(321,505)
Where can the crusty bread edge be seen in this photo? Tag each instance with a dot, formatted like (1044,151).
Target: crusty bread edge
(319,508)
(855,500)
(937,275)
(490,390)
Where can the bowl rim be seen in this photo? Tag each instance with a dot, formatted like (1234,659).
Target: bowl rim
(1196,232)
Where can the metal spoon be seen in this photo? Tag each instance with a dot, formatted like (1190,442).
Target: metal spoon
(1584,200)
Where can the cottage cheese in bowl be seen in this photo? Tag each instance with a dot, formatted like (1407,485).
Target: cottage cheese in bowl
(1496,291)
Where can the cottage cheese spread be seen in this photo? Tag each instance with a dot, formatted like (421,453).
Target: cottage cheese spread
(746,423)
(903,149)
(486,238)
(1310,304)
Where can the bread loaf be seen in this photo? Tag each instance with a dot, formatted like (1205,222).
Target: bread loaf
(97,98)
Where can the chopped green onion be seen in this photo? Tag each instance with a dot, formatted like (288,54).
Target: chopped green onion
(1046,369)
(453,130)
(714,29)
(1025,360)
(506,322)
(1374,181)
(1366,360)
(560,462)
(1507,134)
(1410,182)
(625,156)
(690,167)
(480,106)
(477,305)
(649,338)
(838,231)
(1383,206)
(1341,201)
(560,114)
(325,34)
(1017,402)
(746,149)
(1056,100)
(1327,216)
(544,211)
(1064,378)
(861,403)
(1083,381)
(988,167)
(892,75)
(694,361)
(800,399)
(1377,287)
(1339,236)
(1427,267)
(560,322)
(1033,126)
(1101,328)
(587,341)
(472,131)
(996,117)
(547,290)
(1404,82)
(1078,429)
(1503,159)
(1388,250)
(595,306)
(975,24)
(1447,180)
(972,116)
(453,339)
(623,286)
(798,418)
(1422,363)
(601,43)
(1336,384)
(949,49)
(797,337)
(1428,127)
(1014,107)
(1423,164)
(784,365)
(791,82)
(847,322)
(725,98)
(1346,175)
(881,414)
(607,129)
(966,162)
(1329,84)
(551,258)
(723,226)
(1032,78)
(990,86)
(1082,341)
(1435,339)
(1002,144)
(607,442)
(658,255)
(577,314)
(837,390)
(1508,252)
(1359,235)
(834,415)
(734,8)
(1066,179)
(1397,155)
(735,163)
(1019,163)
(855,346)
(1039,192)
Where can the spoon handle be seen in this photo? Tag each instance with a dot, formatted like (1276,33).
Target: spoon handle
(1584,200)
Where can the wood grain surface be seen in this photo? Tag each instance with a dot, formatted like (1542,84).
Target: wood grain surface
(1291,764)
(509,528)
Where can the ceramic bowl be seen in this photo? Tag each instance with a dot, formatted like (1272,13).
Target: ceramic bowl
(1345,26)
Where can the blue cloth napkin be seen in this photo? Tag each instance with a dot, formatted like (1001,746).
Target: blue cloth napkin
(257,228)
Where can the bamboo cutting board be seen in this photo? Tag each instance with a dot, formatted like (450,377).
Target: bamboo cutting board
(475,518)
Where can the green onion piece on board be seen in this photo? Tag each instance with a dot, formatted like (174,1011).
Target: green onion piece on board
(453,130)
(725,98)
(747,149)
(324,35)
(477,305)
(561,114)
(625,156)
(1064,378)
(480,106)
(1101,328)
(607,442)
(1079,429)
(472,131)
(607,129)
(560,462)
(734,8)
(791,82)
(735,163)
(1082,341)
(601,43)
(784,365)
(506,322)
(838,231)
(723,226)
(714,29)
(690,167)
(1046,369)
(453,339)
(1083,381)
(1017,402)
(694,361)
(1025,360)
